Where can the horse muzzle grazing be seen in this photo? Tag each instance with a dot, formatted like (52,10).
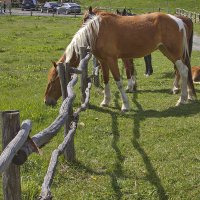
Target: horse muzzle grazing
(49,101)
(53,89)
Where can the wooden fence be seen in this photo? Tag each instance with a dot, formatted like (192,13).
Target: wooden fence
(18,147)
(195,17)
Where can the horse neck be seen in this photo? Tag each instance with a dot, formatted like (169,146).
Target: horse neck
(74,61)
(86,36)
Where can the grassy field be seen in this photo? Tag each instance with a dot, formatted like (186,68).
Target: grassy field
(147,5)
(151,152)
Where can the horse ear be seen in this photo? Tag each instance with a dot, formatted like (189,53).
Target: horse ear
(54,64)
(90,9)
(124,12)
(117,11)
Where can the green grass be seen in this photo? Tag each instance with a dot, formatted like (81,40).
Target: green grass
(145,6)
(151,152)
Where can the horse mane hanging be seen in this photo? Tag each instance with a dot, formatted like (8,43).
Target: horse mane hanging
(86,36)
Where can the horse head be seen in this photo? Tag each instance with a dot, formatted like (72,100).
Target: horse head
(118,12)
(125,12)
(89,14)
(53,90)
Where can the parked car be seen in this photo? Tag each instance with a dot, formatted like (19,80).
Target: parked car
(50,7)
(67,8)
(28,5)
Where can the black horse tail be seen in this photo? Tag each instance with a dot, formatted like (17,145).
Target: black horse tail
(190,44)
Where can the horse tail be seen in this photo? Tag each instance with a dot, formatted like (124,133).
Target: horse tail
(185,44)
(188,41)
(191,40)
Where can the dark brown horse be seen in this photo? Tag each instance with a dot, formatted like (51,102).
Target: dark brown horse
(102,34)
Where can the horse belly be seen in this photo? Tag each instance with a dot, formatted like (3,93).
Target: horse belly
(123,49)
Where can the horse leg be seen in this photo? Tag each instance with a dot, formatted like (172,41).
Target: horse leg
(183,70)
(107,95)
(190,85)
(148,64)
(130,74)
(191,90)
(113,65)
(174,54)
(176,85)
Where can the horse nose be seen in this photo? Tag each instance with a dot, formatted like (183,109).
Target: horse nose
(50,102)
(45,101)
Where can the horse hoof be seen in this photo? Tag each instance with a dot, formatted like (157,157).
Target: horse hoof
(192,98)
(125,108)
(103,105)
(175,91)
(181,102)
(130,90)
(147,75)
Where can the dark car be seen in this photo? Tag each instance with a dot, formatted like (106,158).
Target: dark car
(50,7)
(28,5)
(67,8)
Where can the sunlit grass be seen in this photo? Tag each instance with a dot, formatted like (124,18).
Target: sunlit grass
(145,6)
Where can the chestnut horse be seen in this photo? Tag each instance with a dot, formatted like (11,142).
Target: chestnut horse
(147,58)
(196,74)
(102,33)
(128,63)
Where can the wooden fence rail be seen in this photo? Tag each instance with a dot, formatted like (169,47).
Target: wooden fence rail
(46,193)
(22,145)
(195,17)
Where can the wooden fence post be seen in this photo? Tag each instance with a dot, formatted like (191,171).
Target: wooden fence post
(64,75)
(83,53)
(69,153)
(96,72)
(11,177)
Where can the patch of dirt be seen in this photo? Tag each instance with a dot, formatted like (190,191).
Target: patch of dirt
(196,43)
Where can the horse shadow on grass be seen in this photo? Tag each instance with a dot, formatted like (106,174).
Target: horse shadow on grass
(138,115)
(117,171)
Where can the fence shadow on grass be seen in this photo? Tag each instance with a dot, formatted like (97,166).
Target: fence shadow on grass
(152,177)
(117,171)
(138,115)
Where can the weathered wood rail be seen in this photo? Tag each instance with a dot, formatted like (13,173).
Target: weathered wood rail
(195,17)
(19,148)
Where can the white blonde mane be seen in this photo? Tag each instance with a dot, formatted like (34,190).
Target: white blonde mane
(86,36)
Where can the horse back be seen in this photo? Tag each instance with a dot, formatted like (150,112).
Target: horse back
(141,33)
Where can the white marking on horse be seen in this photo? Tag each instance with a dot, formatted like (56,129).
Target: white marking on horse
(181,27)
(178,21)
(125,105)
(107,95)
(183,70)
(131,84)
